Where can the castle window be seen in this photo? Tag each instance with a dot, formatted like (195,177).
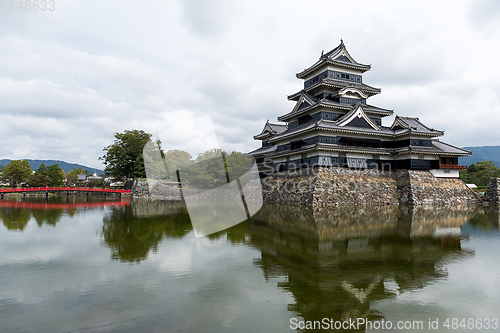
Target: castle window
(304,119)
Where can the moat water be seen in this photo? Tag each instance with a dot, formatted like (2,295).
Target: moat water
(92,266)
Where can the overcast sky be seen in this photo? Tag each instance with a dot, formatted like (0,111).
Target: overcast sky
(72,77)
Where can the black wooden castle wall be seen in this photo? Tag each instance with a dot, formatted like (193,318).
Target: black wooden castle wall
(342,162)
(354,142)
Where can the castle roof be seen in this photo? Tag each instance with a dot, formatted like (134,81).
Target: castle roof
(414,125)
(338,84)
(357,112)
(262,150)
(438,148)
(339,126)
(270,130)
(332,104)
(449,149)
(338,56)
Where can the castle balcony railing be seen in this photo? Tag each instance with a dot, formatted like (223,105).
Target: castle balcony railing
(452,166)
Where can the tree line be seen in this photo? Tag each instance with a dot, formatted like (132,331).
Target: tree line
(125,159)
(480,173)
(19,172)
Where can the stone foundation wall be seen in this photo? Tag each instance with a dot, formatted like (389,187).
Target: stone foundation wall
(159,190)
(344,186)
(425,189)
(341,186)
(298,186)
(492,194)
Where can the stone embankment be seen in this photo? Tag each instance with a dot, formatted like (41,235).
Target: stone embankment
(340,186)
(492,194)
(155,190)
(422,188)
(163,190)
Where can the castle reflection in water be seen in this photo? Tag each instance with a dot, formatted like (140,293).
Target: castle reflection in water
(338,261)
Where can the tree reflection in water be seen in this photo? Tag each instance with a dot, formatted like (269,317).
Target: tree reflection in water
(47,216)
(14,218)
(133,231)
(16,213)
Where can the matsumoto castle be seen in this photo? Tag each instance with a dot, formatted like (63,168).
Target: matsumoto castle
(332,124)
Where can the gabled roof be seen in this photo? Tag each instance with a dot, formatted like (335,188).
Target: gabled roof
(346,128)
(305,100)
(357,112)
(338,56)
(413,125)
(366,107)
(270,130)
(337,84)
(351,89)
(370,109)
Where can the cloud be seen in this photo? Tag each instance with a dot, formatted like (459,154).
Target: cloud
(484,12)
(208,18)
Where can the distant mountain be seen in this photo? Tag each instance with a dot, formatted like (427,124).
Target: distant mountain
(486,153)
(67,167)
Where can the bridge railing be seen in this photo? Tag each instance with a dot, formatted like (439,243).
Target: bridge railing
(60,189)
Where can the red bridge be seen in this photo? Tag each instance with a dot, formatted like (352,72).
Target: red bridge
(48,189)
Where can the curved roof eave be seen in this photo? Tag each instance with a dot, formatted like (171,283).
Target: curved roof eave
(361,67)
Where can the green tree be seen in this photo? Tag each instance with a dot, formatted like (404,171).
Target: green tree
(80,171)
(237,164)
(55,174)
(122,157)
(139,170)
(213,168)
(480,173)
(48,176)
(72,176)
(16,172)
(178,159)
(40,177)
